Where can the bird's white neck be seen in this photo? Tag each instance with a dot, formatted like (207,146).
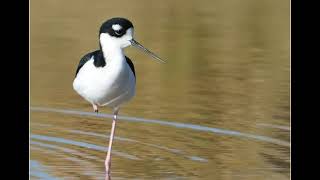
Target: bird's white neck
(112,54)
(111,50)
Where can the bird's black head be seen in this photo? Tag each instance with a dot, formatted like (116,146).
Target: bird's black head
(117,33)
(116,27)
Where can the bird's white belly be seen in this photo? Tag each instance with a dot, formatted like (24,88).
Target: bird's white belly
(111,85)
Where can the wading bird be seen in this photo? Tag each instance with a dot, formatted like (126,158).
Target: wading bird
(106,77)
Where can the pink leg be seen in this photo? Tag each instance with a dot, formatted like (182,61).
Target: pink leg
(108,158)
(95,108)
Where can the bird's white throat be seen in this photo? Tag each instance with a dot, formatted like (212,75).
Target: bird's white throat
(112,51)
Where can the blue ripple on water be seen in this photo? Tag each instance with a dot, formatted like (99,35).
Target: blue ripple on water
(176,151)
(81,144)
(37,170)
(174,124)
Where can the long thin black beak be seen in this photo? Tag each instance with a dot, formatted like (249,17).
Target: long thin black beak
(134,43)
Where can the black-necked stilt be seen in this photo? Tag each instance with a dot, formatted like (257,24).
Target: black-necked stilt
(106,77)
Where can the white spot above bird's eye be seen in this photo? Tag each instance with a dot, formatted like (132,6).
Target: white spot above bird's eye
(116,27)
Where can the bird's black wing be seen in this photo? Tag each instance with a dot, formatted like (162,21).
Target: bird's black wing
(86,58)
(131,65)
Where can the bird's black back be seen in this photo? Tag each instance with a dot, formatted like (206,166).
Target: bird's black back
(99,61)
(131,65)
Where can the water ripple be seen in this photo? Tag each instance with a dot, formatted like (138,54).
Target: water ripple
(63,149)
(175,151)
(37,170)
(81,144)
(128,140)
(167,123)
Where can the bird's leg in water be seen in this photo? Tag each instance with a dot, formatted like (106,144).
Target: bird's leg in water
(108,158)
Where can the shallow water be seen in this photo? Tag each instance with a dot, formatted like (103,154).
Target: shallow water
(218,109)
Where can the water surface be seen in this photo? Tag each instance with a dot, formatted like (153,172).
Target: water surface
(218,109)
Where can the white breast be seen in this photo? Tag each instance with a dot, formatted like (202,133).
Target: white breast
(111,85)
